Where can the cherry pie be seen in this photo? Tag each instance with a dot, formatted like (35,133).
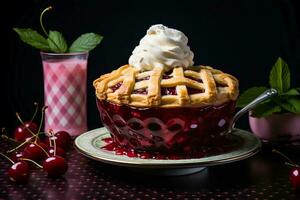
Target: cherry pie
(195,86)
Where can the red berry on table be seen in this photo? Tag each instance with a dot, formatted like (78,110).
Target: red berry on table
(19,172)
(295,178)
(295,172)
(17,155)
(37,151)
(59,151)
(55,166)
(62,139)
(22,133)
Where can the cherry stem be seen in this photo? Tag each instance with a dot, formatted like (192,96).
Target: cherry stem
(42,119)
(41,19)
(22,122)
(26,159)
(5,156)
(287,158)
(35,112)
(5,137)
(54,142)
(42,149)
(42,25)
(23,143)
(291,165)
(49,138)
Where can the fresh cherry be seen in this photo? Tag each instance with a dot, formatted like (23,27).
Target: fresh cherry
(17,155)
(295,178)
(37,150)
(19,172)
(22,133)
(55,166)
(62,139)
(59,151)
(294,175)
(26,129)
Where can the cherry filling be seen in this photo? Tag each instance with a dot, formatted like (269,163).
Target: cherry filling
(166,133)
(166,76)
(117,86)
(193,91)
(195,79)
(168,91)
(140,91)
(142,79)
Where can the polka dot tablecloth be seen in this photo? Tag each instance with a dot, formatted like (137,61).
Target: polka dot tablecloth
(264,176)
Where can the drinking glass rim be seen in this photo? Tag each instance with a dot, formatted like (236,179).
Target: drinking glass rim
(64,54)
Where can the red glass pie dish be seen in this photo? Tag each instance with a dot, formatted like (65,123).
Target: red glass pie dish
(179,130)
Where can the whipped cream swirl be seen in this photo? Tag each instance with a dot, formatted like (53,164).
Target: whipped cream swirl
(162,47)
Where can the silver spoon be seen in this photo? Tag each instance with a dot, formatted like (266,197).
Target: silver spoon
(264,96)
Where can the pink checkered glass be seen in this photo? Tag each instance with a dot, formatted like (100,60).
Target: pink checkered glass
(65,92)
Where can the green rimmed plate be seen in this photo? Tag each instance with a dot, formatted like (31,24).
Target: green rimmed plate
(90,143)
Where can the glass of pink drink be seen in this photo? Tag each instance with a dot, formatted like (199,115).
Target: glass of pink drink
(65,91)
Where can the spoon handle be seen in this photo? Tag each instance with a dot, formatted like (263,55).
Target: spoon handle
(264,96)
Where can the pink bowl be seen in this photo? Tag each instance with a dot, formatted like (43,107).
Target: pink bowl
(277,127)
(184,129)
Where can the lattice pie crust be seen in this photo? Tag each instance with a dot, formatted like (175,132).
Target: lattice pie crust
(209,86)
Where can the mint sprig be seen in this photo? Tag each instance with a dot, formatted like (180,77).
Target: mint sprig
(288,99)
(33,38)
(86,42)
(280,76)
(55,42)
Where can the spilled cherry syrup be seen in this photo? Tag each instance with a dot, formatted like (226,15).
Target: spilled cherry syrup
(224,145)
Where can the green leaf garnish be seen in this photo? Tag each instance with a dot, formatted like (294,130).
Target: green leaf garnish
(32,38)
(265,109)
(54,41)
(292,105)
(85,42)
(280,76)
(288,99)
(249,95)
(292,92)
(57,43)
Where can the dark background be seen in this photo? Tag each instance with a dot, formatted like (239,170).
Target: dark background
(242,37)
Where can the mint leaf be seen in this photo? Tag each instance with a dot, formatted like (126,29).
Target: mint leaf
(265,109)
(250,94)
(280,76)
(292,92)
(57,43)
(291,105)
(32,38)
(85,42)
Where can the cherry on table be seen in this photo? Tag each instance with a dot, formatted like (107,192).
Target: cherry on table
(294,173)
(62,139)
(21,133)
(19,172)
(37,150)
(59,151)
(17,155)
(295,178)
(55,166)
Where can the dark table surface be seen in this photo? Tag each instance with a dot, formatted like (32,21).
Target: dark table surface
(263,176)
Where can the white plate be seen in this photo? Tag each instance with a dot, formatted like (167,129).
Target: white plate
(90,143)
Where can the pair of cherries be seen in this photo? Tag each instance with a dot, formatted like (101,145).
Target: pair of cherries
(31,148)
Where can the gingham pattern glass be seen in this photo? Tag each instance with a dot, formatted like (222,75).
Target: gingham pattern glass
(65,92)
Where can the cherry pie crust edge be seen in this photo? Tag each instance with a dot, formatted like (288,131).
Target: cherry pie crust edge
(128,86)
